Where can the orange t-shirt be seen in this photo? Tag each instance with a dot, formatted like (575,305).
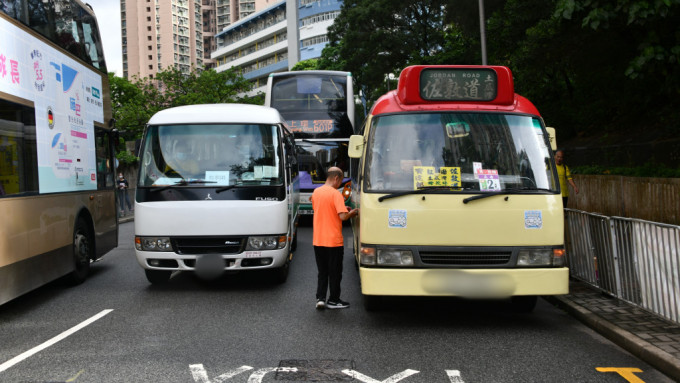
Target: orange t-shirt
(327,204)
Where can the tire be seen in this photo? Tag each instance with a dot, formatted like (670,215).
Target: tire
(83,251)
(372,302)
(281,273)
(523,303)
(157,277)
(293,245)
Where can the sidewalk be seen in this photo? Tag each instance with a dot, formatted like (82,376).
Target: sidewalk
(126,218)
(649,337)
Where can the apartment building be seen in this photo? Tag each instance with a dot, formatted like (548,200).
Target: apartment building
(158,34)
(259,45)
(219,14)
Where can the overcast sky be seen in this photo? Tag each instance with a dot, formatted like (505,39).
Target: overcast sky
(108,18)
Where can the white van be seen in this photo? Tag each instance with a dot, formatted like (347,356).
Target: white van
(217,191)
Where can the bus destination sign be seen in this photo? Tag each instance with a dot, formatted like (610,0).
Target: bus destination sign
(458,84)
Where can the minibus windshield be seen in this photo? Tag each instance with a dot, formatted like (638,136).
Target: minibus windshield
(215,155)
(458,152)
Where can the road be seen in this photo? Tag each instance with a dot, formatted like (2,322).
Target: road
(244,328)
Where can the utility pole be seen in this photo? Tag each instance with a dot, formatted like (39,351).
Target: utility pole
(293,31)
(482,30)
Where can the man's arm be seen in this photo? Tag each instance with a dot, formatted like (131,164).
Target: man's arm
(350,214)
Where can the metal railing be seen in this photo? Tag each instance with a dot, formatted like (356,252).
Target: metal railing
(634,260)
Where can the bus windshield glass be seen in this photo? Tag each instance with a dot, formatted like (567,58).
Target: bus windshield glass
(314,105)
(478,152)
(314,157)
(211,155)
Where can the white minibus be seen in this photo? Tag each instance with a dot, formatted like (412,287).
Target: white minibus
(218,190)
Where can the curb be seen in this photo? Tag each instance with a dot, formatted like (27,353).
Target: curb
(642,349)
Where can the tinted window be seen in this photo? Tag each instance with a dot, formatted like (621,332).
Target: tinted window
(18,153)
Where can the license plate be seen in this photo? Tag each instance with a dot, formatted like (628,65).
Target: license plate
(210,265)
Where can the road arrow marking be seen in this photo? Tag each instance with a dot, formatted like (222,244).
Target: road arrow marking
(454,376)
(258,375)
(200,375)
(392,379)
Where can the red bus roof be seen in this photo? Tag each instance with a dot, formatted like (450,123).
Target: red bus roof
(454,87)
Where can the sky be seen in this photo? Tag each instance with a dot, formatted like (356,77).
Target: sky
(108,18)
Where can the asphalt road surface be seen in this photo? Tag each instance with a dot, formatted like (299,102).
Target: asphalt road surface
(116,327)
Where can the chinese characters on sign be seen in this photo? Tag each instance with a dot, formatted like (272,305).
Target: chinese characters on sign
(424,176)
(311,126)
(458,84)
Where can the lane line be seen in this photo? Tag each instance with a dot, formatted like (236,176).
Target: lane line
(52,341)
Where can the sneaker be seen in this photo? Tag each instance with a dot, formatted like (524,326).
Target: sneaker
(320,304)
(337,305)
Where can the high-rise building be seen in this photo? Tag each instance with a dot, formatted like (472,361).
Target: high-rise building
(158,34)
(259,44)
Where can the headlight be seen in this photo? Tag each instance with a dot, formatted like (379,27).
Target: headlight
(153,244)
(267,243)
(541,257)
(392,257)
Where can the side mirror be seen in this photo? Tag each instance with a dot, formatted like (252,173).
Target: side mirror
(356,146)
(552,137)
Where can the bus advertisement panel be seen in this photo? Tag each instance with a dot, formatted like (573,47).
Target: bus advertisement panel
(67,98)
(458,191)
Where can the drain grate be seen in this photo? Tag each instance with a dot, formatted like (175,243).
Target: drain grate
(317,370)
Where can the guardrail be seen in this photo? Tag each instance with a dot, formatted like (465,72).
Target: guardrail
(634,260)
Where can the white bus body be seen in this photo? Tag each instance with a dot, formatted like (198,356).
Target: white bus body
(235,210)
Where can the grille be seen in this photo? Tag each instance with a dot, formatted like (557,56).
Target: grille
(208,245)
(465,258)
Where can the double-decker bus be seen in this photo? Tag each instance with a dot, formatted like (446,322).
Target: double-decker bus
(57,195)
(458,191)
(319,109)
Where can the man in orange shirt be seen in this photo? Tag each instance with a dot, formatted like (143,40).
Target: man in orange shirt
(329,212)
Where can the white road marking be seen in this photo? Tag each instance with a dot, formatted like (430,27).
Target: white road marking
(392,379)
(258,375)
(52,341)
(200,375)
(454,376)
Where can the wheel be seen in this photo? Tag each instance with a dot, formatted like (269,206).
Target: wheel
(83,250)
(158,276)
(293,245)
(281,273)
(372,302)
(523,303)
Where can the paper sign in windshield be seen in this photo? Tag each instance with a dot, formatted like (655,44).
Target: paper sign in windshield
(489,180)
(428,176)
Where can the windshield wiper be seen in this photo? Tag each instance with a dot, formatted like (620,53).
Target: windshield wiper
(415,191)
(220,190)
(506,191)
(183,182)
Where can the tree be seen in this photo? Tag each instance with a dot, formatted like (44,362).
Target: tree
(134,102)
(373,38)
(311,64)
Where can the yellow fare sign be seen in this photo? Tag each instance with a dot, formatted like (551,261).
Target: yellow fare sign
(427,176)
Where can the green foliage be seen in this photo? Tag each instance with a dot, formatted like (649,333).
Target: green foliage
(373,38)
(134,102)
(647,170)
(311,64)
(126,158)
(590,66)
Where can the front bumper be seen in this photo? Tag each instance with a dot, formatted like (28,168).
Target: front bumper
(247,260)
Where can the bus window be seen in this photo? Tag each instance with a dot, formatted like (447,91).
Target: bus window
(18,153)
